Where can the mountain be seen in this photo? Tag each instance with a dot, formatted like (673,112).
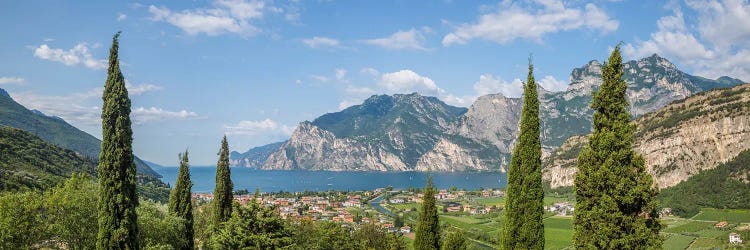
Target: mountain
(726,186)
(255,157)
(55,131)
(414,132)
(677,141)
(28,162)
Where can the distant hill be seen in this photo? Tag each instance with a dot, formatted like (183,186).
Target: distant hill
(28,162)
(726,186)
(677,141)
(411,132)
(55,130)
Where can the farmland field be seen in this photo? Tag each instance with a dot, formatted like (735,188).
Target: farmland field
(558,232)
(729,215)
(678,241)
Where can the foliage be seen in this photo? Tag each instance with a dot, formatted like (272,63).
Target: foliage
(325,235)
(22,222)
(615,198)
(180,200)
(428,226)
(202,228)
(72,213)
(222,202)
(28,163)
(524,205)
(160,229)
(720,187)
(252,227)
(118,227)
(454,240)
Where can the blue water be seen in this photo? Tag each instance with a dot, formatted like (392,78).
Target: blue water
(294,181)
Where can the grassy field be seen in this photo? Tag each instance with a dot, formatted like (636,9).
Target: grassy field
(694,233)
(678,241)
(558,232)
(729,215)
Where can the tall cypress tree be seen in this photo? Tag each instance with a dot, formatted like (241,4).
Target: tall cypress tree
(615,197)
(428,227)
(180,203)
(118,227)
(523,227)
(222,202)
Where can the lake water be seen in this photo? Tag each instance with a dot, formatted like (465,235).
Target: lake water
(294,181)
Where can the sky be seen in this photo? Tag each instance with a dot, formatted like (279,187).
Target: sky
(254,69)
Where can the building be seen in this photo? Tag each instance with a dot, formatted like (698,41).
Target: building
(734,238)
(722,224)
(406,229)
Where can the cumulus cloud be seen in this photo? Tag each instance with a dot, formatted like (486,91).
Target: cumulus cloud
(714,44)
(322,42)
(143,115)
(340,74)
(121,17)
(408,81)
(226,16)
(489,84)
(11,80)
(259,127)
(409,40)
(78,55)
(552,84)
(512,21)
(82,108)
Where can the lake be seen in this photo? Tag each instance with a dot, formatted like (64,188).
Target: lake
(294,181)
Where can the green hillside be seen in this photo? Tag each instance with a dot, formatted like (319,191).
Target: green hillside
(54,130)
(727,186)
(28,162)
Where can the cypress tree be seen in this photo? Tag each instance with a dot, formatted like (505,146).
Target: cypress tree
(523,227)
(615,197)
(118,227)
(222,202)
(180,200)
(428,227)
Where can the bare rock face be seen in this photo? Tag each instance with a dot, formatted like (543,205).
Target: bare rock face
(311,148)
(493,119)
(447,156)
(676,141)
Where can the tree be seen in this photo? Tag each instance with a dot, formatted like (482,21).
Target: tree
(454,241)
(180,200)
(118,226)
(71,212)
(222,202)
(21,221)
(615,197)
(253,227)
(428,227)
(523,227)
(160,229)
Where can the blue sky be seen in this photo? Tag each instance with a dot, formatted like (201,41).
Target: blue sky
(253,69)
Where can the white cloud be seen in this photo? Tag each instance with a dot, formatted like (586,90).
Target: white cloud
(340,74)
(121,17)
(143,115)
(410,40)
(138,89)
(320,78)
(322,42)
(369,71)
(11,80)
(489,84)
(227,16)
(716,43)
(512,21)
(355,95)
(408,81)
(78,55)
(260,127)
(550,83)
(82,108)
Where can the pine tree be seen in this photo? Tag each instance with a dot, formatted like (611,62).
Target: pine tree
(615,197)
(222,202)
(428,227)
(118,227)
(523,227)
(180,200)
